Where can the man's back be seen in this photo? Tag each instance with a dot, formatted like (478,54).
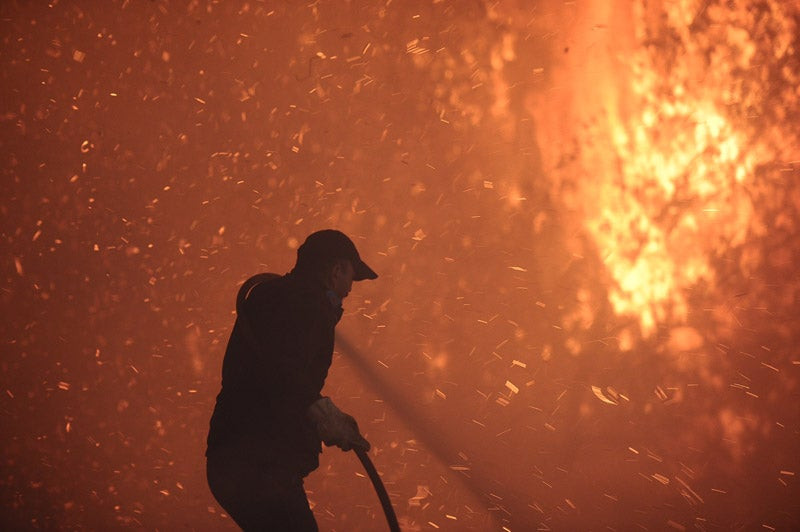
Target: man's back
(275,366)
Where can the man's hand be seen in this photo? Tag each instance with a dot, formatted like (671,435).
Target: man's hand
(335,427)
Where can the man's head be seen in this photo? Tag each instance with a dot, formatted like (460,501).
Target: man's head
(331,256)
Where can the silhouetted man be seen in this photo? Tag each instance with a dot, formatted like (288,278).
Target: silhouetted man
(270,418)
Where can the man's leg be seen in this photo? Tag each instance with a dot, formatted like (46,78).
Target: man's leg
(260,499)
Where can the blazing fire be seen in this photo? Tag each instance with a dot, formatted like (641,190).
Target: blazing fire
(668,150)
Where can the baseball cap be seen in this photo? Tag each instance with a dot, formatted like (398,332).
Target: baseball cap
(333,244)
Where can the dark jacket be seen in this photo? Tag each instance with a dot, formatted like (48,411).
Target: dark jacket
(260,414)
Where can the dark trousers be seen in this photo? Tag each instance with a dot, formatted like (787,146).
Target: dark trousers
(260,497)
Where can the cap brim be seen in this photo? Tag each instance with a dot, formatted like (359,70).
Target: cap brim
(362,271)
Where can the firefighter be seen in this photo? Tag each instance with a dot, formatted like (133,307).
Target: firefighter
(270,417)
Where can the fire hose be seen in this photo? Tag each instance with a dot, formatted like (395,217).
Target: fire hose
(369,467)
(388,510)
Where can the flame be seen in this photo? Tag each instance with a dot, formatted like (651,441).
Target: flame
(675,199)
(671,152)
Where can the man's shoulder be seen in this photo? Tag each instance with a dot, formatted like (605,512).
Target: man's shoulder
(264,287)
(282,291)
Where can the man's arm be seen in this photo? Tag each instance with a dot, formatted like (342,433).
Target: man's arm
(294,347)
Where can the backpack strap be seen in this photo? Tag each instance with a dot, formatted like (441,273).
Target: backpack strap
(241,297)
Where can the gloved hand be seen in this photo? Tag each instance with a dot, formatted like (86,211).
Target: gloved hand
(335,427)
